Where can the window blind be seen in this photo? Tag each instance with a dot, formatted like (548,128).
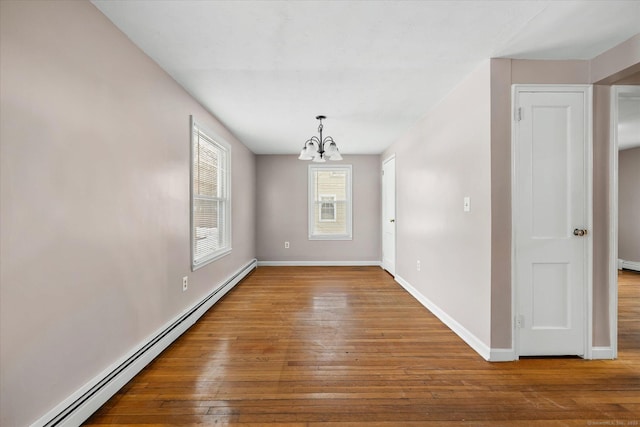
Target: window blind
(210,197)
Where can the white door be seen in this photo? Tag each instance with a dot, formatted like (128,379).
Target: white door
(551,220)
(389,215)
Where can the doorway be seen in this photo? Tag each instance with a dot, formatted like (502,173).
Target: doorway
(389,215)
(623,239)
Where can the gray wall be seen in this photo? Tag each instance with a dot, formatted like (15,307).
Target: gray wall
(629,205)
(443,158)
(94,202)
(283,214)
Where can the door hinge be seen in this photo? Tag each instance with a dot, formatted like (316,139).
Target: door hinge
(519,321)
(518,114)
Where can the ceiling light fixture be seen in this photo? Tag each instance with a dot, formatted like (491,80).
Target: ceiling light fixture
(318,149)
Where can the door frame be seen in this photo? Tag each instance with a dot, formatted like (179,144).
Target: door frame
(395,204)
(587,90)
(615,92)
(613,222)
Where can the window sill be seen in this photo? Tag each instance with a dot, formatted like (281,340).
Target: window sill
(205,261)
(329,237)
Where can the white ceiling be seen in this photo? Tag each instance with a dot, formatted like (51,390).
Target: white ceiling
(374,68)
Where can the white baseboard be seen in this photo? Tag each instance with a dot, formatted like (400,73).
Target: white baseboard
(502,355)
(85,401)
(481,348)
(629,265)
(317,263)
(602,353)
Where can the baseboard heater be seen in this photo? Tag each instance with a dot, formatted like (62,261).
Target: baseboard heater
(628,265)
(83,406)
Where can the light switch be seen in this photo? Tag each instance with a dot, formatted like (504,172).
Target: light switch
(467,204)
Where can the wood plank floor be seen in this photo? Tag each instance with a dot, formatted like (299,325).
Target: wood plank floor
(306,346)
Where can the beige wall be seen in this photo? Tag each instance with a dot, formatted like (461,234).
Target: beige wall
(283,215)
(629,205)
(600,232)
(617,63)
(633,79)
(443,158)
(501,203)
(94,202)
(526,71)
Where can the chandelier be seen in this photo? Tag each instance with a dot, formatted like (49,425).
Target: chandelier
(318,149)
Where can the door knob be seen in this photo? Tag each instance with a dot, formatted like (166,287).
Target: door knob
(392,220)
(579,232)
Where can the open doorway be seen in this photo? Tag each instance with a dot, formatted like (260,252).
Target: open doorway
(625,191)
(628,136)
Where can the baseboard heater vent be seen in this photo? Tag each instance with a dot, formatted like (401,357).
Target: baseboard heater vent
(628,265)
(88,402)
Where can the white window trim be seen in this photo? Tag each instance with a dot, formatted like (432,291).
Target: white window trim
(333,203)
(225,145)
(311,203)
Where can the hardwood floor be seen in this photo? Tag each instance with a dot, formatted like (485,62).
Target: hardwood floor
(310,346)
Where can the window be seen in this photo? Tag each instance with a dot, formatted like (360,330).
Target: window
(330,202)
(210,197)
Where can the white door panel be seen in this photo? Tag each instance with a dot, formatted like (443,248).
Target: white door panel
(389,215)
(551,186)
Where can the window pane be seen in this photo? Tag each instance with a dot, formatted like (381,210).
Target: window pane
(206,221)
(206,161)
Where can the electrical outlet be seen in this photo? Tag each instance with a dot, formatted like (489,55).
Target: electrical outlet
(286,245)
(185,283)
(418,265)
